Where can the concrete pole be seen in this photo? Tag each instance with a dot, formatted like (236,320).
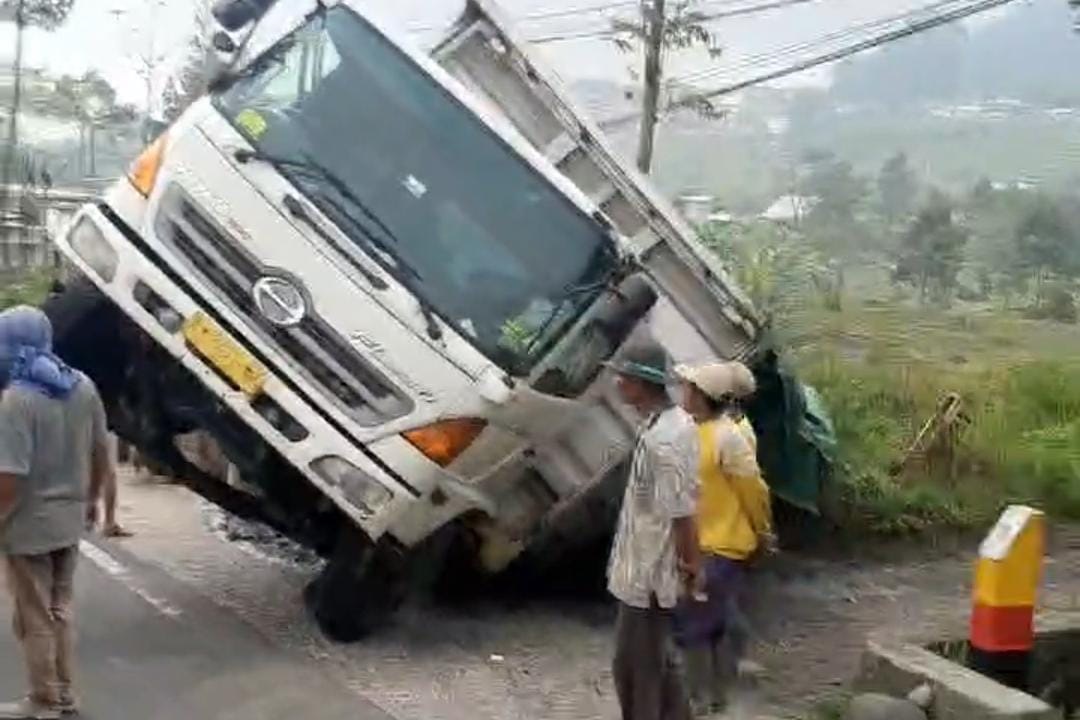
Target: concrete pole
(7,177)
(655,21)
(13,121)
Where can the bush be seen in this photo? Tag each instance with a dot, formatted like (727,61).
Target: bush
(1023,444)
(1057,303)
(28,289)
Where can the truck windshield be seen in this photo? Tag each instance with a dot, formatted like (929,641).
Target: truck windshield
(491,246)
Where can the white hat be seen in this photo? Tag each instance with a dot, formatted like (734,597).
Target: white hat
(718,380)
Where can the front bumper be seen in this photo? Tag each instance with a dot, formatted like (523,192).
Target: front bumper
(135,273)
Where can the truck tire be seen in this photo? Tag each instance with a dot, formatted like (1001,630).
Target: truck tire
(81,316)
(569,555)
(359,589)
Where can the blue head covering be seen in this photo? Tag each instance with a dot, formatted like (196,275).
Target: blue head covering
(26,357)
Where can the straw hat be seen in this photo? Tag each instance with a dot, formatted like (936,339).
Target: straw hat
(719,380)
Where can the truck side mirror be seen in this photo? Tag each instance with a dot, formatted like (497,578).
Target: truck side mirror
(223,43)
(235,21)
(235,14)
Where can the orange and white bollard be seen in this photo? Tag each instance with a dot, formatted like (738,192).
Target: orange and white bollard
(1007,578)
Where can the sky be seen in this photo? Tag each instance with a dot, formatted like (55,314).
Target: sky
(111,35)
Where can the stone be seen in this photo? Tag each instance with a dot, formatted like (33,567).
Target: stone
(923,696)
(873,706)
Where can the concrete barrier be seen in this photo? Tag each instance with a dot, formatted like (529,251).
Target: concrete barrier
(896,668)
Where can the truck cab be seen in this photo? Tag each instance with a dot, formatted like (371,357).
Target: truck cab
(386,282)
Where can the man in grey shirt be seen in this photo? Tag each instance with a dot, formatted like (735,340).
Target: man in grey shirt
(53,463)
(654,558)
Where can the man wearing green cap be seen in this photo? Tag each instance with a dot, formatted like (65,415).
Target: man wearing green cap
(655,555)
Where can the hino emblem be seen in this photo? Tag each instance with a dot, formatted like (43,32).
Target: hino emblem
(280,301)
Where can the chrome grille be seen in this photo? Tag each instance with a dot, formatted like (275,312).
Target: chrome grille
(313,347)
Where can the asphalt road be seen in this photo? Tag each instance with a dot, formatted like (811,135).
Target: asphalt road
(151,648)
(200,615)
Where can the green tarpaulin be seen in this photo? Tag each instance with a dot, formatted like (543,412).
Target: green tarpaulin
(796,442)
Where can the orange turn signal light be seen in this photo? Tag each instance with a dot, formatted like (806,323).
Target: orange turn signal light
(444,441)
(143,172)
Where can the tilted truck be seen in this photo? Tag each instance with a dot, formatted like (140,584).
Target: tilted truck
(385,281)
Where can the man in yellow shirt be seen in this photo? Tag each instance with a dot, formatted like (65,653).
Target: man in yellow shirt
(734,522)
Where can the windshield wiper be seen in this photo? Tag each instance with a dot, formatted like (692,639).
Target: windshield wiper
(298,211)
(567,295)
(377,246)
(406,275)
(321,171)
(572,291)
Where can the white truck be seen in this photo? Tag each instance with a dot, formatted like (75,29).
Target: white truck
(385,282)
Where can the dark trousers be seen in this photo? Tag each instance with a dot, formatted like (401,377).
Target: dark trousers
(713,634)
(648,677)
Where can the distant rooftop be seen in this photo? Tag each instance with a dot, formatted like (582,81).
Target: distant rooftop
(789,208)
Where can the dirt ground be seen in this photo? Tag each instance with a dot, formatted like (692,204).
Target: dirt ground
(549,658)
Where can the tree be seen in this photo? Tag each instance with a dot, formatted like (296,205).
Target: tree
(992,217)
(1046,243)
(897,187)
(190,81)
(932,249)
(662,27)
(778,275)
(982,192)
(91,102)
(1057,303)
(48,14)
(837,189)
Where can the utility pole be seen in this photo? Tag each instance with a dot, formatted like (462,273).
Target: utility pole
(655,20)
(147,61)
(8,198)
(13,121)
(151,63)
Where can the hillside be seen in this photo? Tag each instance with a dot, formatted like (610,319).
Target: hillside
(1007,82)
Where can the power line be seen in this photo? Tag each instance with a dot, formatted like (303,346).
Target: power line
(706,17)
(572,12)
(770,56)
(914,28)
(784,51)
(582,35)
(551,14)
(839,54)
(595,9)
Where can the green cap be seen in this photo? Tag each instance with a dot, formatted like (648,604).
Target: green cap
(647,361)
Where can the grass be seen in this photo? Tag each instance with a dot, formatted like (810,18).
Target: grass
(25,289)
(882,370)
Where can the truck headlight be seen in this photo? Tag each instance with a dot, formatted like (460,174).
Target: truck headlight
(359,488)
(89,243)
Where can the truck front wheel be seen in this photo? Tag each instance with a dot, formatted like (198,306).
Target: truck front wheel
(359,589)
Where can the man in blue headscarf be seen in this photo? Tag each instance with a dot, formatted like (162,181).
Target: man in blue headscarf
(54,461)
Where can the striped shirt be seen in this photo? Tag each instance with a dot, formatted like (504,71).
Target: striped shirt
(662,487)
